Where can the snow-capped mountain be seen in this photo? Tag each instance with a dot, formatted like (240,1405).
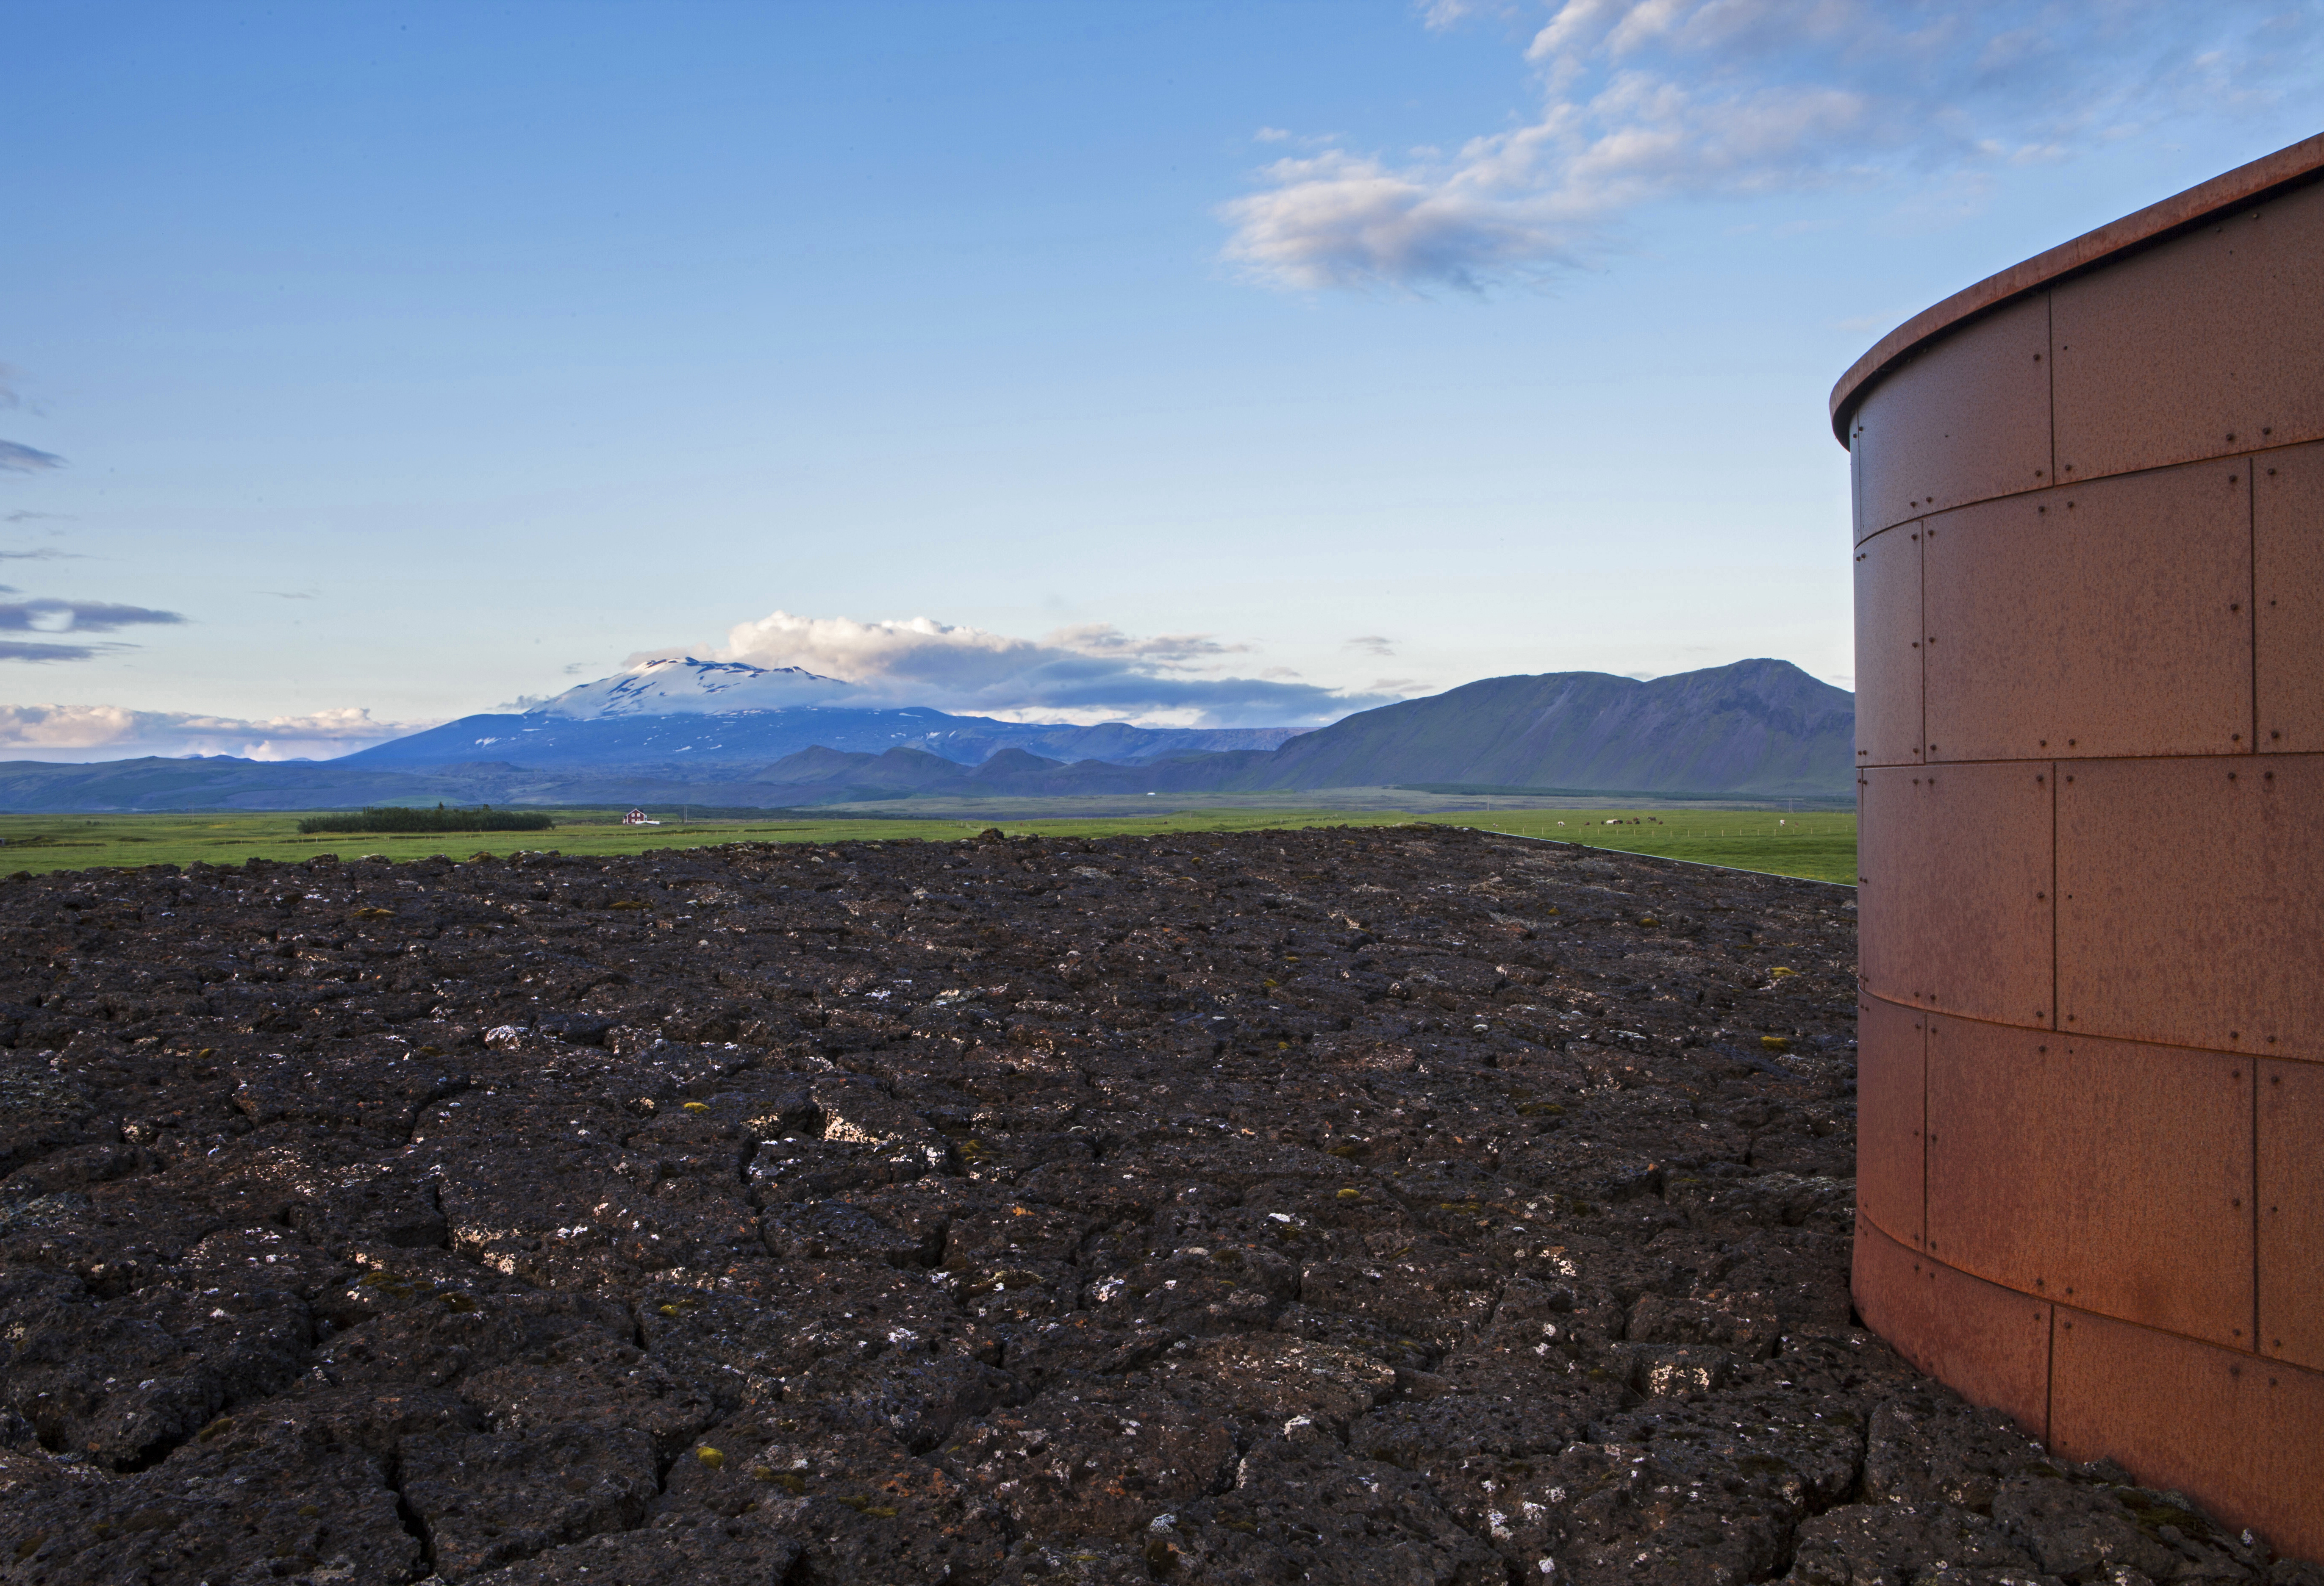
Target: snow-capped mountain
(689,686)
(690,713)
(698,740)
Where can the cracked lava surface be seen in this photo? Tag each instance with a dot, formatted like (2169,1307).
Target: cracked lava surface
(1384,1206)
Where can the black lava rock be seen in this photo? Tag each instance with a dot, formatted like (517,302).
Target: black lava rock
(1370,1205)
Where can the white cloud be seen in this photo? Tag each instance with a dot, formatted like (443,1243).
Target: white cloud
(15,458)
(1647,100)
(69,617)
(112,731)
(77,616)
(1440,14)
(1337,220)
(1093,672)
(1161,649)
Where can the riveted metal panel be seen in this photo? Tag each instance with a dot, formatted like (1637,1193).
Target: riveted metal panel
(1967,418)
(2192,902)
(2104,618)
(1954,895)
(2043,1154)
(2236,1432)
(1889,842)
(1856,517)
(2289,1192)
(2287,598)
(1890,1291)
(2227,194)
(1891,1078)
(2200,347)
(1888,647)
(1989,1342)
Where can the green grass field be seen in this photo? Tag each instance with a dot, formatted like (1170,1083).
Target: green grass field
(1820,846)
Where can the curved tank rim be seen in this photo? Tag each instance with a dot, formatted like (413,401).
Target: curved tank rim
(2265,178)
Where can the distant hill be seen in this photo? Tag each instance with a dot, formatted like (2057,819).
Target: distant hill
(735,744)
(675,718)
(1760,728)
(220,781)
(1755,729)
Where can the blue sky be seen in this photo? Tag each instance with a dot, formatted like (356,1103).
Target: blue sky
(374,364)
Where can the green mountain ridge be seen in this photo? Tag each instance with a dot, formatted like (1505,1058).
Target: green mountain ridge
(1761,728)
(1756,726)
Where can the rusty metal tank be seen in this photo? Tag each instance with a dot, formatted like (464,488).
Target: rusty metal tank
(2089,638)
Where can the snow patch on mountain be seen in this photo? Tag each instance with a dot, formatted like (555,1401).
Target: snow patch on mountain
(688,686)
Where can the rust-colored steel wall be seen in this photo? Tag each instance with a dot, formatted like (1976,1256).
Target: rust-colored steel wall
(2090,609)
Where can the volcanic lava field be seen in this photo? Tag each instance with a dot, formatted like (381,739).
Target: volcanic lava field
(1392,1206)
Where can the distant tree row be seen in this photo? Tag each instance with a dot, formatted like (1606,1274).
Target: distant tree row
(398,818)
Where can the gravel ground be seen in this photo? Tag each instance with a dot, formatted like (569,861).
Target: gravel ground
(1383,1206)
